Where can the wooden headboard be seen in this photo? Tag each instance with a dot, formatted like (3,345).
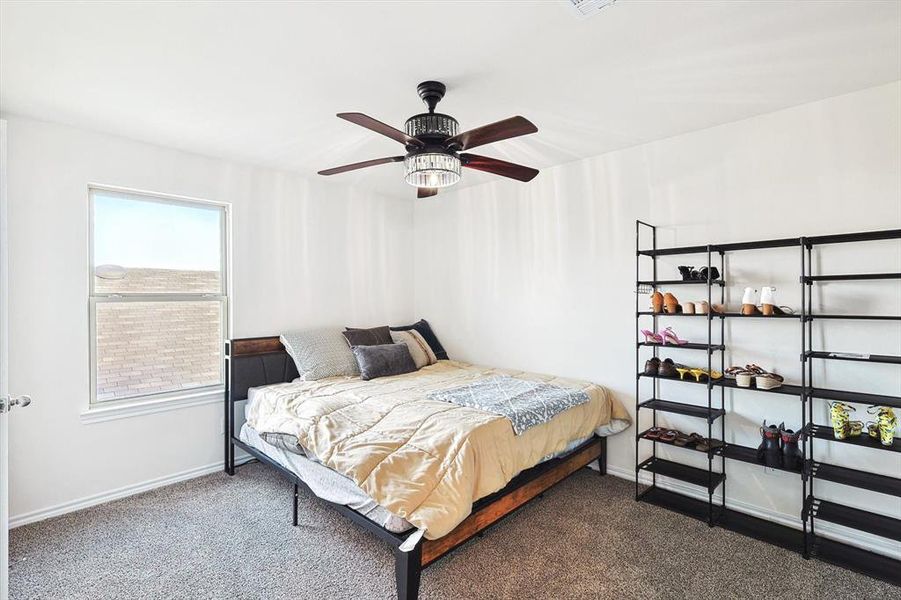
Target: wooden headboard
(252,362)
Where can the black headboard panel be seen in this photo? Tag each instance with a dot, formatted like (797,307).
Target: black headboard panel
(254,362)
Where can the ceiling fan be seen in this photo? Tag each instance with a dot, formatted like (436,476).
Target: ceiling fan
(435,151)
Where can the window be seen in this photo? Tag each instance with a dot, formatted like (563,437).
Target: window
(158,297)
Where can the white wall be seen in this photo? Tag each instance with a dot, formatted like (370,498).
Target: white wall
(540,276)
(304,253)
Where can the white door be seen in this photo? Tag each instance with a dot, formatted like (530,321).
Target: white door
(5,400)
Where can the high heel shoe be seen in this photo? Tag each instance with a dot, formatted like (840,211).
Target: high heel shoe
(749,302)
(670,337)
(767,304)
(652,338)
(657,302)
(671,305)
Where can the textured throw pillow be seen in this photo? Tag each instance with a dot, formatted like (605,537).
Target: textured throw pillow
(419,349)
(319,353)
(383,360)
(373,336)
(422,326)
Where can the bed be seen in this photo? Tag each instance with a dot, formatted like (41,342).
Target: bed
(316,434)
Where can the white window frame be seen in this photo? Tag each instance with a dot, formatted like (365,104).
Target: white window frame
(104,410)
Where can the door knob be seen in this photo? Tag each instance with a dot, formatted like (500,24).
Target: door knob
(7,402)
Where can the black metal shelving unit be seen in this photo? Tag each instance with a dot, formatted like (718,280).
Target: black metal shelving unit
(803,539)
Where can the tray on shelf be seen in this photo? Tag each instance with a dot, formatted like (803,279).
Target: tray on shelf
(688,346)
(854,478)
(854,397)
(748,455)
(873,358)
(680,408)
(643,436)
(854,518)
(825,432)
(667,468)
(786,389)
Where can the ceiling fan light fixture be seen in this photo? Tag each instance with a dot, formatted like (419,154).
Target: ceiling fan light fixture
(432,170)
(431,125)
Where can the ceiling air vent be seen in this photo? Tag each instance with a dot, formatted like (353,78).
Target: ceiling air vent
(587,8)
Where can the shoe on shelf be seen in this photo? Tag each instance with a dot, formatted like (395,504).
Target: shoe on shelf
(767,302)
(667,368)
(652,366)
(652,338)
(688,308)
(769,452)
(792,458)
(671,305)
(670,337)
(686,273)
(749,302)
(702,307)
(657,302)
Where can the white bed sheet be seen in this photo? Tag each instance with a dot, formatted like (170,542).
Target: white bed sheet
(326,483)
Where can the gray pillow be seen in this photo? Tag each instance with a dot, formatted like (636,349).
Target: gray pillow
(367,337)
(319,353)
(383,360)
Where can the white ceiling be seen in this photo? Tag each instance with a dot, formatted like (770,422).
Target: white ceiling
(261,82)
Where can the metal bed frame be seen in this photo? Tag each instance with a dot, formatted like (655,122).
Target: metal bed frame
(252,362)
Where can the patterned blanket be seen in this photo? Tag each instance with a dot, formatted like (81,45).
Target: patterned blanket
(525,403)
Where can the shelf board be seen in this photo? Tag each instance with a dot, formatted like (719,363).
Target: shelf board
(854,317)
(686,505)
(732,247)
(723,315)
(864,441)
(754,527)
(873,358)
(865,236)
(785,389)
(862,236)
(692,475)
(651,314)
(862,561)
(854,478)
(854,518)
(851,277)
(644,433)
(669,282)
(855,397)
(688,346)
(760,529)
(748,455)
(701,412)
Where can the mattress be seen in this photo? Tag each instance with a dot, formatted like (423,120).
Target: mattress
(333,486)
(324,482)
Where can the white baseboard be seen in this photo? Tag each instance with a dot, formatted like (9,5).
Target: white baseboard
(116,494)
(852,537)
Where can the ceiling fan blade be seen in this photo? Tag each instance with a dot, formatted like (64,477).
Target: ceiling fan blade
(498,167)
(426,192)
(379,127)
(361,165)
(495,132)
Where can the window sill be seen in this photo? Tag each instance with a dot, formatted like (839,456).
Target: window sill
(138,407)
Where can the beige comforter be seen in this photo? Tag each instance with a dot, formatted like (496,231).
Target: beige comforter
(424,460)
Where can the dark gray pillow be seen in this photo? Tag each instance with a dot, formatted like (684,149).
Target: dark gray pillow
(422,326)
(383,360)
(373,336)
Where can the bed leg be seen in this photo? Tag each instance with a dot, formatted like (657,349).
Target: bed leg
(294,501)
(602,459)
(407,571)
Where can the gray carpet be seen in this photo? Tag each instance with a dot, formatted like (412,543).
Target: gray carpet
(221,537)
